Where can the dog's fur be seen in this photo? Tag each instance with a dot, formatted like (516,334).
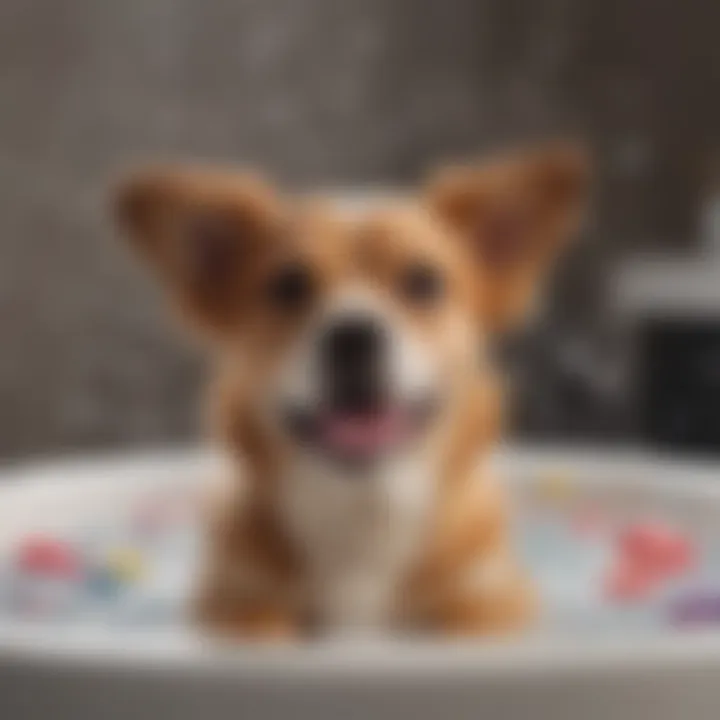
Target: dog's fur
(420,540)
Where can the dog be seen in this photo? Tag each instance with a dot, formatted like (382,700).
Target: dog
(355,389)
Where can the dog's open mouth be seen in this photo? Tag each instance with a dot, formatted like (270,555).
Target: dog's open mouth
(360,436)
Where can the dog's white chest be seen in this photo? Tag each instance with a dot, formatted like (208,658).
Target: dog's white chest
(358,535)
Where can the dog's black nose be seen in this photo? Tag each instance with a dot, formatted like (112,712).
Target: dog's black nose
(353,356)
(354,341)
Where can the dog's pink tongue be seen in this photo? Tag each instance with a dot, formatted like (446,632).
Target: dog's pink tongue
(363,433)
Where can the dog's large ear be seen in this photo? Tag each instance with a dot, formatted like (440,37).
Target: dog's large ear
(200,231)
(513,215)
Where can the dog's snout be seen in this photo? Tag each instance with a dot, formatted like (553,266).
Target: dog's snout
(353,341)
(353,356)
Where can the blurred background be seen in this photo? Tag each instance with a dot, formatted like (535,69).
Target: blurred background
(358,94)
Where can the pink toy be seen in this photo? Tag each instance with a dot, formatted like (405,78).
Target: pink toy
(657,548)
(48,556)
(649,554)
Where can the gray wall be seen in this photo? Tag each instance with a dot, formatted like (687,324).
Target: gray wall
(317,91)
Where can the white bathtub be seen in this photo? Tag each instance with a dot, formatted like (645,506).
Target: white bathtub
(60,673)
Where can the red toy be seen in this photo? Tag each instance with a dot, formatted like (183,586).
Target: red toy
(48,556)
(658,548)
(649,554)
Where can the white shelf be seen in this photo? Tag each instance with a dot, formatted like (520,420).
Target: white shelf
(669,286)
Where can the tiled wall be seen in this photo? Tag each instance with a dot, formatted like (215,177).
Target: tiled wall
(318,92)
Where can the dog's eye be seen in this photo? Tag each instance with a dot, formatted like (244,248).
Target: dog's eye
(422,284)
(291,287)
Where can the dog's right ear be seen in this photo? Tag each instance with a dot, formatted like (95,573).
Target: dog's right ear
(200,231)
(513,216)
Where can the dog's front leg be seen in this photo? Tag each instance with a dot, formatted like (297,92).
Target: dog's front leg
(494,598)
(222,613)
(248,587)
(471,582)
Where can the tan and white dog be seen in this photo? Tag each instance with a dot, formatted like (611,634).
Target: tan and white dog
(355,389)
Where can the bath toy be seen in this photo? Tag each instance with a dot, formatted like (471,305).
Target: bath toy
(658,548)
(696,607)
(126,564)
(44,578)
(48,556)
(100,583)
(650,555)
(556,486)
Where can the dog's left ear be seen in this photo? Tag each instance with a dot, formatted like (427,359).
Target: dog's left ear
(513,216)
(201,231)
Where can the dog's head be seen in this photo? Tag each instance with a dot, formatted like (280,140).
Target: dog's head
(357,330)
